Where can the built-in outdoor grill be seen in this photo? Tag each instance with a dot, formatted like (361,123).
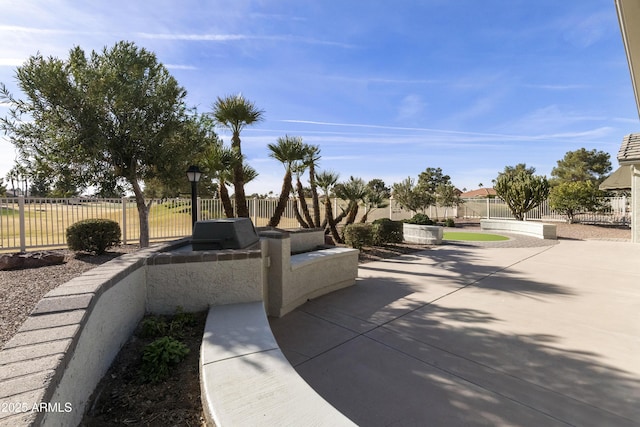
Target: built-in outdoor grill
(230,233)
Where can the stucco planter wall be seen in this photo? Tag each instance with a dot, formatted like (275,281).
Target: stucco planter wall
(528,228)
(197,280)
(294,279)
(306,239)
(422,234)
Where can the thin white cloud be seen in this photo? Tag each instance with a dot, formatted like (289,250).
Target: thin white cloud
(180,67)
(556,86)
(447,137)
(13,29)
(238,37)
(194,37)
(11,62)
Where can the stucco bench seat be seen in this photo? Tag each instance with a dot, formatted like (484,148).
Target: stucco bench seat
(528,228)
(246,379)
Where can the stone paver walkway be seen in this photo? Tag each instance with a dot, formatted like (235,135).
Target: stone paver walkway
(463,335)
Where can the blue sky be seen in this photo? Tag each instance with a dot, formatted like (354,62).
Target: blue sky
(386,89)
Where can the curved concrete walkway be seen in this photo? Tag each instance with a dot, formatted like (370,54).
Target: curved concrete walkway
(466,335)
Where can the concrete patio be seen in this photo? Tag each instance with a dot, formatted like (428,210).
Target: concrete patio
(520,333)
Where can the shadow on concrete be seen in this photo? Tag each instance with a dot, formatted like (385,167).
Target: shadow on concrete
(392,355)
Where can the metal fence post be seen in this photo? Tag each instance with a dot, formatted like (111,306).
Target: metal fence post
(124,220)
(255,211)
(23,231)
(488,207)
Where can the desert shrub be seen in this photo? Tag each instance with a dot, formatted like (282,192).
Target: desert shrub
(450,222)
(419,219)
(93,235)
(358,235)
(173,326)
(387,231)
(153,327)
(159,356)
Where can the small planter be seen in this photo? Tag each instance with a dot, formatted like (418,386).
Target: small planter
(422,234)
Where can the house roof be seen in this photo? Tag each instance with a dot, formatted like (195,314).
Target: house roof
(630,149)
(619,180)
(628,17)
(480,192)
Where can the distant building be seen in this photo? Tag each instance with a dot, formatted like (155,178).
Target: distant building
(480,193)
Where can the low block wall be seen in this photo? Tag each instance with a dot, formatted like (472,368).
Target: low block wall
(294,279)
(66,345)
(528,228)
(71,338)
(197,280)
(69,341)
(422,234)
(306,239)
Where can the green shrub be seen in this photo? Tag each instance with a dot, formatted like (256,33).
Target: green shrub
(154,327)
(93,235)
(358,235)
(450,222)
(419,219)
(173,326)
(159,356)
(387,231)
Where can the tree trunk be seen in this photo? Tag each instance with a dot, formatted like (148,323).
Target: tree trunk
(226,200)
(242,210)
(353,212)
(314,196)
(143,214)
(303,204)
(282,200)
(328,210)
(299,217)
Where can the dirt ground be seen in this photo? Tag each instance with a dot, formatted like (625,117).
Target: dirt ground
(122,399)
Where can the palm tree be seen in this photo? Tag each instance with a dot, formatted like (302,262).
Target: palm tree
(299,168)
(288,150)
(311,159)
(373,199)
(354,191)
(234,113)
(219,161)
(327,180)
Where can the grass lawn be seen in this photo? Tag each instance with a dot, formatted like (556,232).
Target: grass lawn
(473,237)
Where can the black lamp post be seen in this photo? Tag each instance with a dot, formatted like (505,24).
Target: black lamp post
(193,174)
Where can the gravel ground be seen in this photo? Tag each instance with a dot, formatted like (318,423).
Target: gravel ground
(20,290)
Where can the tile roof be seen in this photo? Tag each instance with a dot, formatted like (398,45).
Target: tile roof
(630,149)
(481,192)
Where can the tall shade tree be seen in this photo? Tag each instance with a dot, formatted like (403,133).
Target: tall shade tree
(431,178)
(521,190)
(235,113)
(575,197)
(582,165)
(410,196)
(288,150)
(115,115)
(575,180)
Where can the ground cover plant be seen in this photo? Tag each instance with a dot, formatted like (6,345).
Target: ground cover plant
(154,380)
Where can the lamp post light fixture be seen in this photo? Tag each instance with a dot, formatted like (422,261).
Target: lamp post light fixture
(193,174)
